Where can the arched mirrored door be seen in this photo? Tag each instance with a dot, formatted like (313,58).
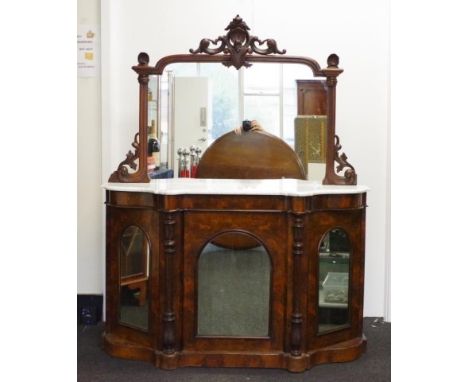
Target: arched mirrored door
(134,266)
(334,262)
(234,274)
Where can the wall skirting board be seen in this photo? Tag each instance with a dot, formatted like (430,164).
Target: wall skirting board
(89,307)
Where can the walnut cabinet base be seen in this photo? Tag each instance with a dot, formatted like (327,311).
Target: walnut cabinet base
(291,229)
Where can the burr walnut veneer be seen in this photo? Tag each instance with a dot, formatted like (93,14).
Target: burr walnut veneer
(288,217)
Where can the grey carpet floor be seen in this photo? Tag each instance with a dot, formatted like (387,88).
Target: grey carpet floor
(94,365)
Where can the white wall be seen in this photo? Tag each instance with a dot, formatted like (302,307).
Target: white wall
(90,196)
(357,31)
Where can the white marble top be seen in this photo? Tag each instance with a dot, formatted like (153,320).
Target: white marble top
(193,186)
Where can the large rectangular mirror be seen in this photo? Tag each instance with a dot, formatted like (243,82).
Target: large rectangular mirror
(199,102)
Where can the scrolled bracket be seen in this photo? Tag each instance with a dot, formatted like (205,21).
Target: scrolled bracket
(350,175)
(122,174)
(238,44)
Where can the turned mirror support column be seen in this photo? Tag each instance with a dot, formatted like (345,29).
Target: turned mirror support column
(168,341)
(140,142)
(333,142)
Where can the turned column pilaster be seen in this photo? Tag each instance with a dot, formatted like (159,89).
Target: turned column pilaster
(168,341)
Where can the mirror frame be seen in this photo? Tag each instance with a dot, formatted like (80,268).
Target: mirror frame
(237,49)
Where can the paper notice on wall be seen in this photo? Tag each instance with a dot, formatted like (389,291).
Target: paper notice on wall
(87,55)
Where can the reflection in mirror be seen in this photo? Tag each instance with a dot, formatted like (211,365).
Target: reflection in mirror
(154,155)
(334,255)
(202,101)
(262,95)
(225,98)
(234,273)
(134,265)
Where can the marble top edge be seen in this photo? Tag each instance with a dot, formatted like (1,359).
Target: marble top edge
(194,186)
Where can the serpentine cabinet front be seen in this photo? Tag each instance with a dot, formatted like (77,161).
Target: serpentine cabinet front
(268,281)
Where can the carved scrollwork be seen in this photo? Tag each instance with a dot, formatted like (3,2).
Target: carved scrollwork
(238,43)
(130,161)
(204,46)
(342,160)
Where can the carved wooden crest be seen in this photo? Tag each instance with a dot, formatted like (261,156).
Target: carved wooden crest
(238,43)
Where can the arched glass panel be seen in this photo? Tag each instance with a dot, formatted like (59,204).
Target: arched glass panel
(234,273)
(134,265)
(334,256)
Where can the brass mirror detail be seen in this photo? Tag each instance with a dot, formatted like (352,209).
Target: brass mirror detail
(233,288)
(238,49)
(334,261)
(134,266)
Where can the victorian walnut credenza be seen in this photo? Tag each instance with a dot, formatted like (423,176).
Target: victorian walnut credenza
(250,262)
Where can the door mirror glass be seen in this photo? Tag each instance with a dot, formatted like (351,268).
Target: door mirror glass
(334,257)
(134,265)
(234,272)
